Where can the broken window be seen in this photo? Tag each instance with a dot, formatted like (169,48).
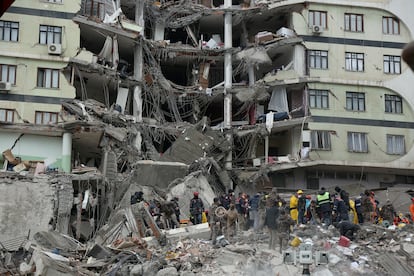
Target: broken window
(357,142)
(8,73)
(43,117)
(321,140)
(318,18)
(318,98)
(354,62)
(318,59)
(393,104)
(48,78)
(6,115)
(355,101)
(9,31)
(50,34)
(392,64)
(395,144)
(354,22)
(390,25)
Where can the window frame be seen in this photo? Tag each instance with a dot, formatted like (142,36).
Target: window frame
(7,112)
(8,66)
(355,101)
(43,114)
(317,97)
(357,142)
(43,81)
(318,18)
(13,31)
(317,56)
(48,34)
(393,104)
(354,25)
(392,62)
(390,21)
(392,144)
(94,8)
(321,140)
(354,62)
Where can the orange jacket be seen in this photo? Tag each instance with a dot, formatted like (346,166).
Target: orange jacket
(412,211)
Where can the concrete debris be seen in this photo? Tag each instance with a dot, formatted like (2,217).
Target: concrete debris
(109,191)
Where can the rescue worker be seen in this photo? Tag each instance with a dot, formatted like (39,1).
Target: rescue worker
(387,212)
(340,210)
(293,205)
(323,202)
(231,222)
(167,212)
(358,208)
(412,209)
(196,208)
(367,207)
(344,195)
(214,220)
(347,229)
(271,221)
(176,208)
(254,211)
(301,208)
(284,224)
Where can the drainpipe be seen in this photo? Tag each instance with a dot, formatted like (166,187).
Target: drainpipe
(138,70)
(67,152)
(228,74)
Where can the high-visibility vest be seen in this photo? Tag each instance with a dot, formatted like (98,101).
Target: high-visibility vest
(322,199)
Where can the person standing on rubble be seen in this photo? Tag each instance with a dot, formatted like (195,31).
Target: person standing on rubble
(254,210)
(231,222)
(176,208)
(387,212)
(358,208)
(214,220)
(243,212)
(196,208)
(301,208)
(284,227)
(271,221)
(293,204)
(340,210)
(367,207)
(323,202)
(344,195)
(412,209)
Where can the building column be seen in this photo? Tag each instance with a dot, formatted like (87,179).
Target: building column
(228,75)
(67,152)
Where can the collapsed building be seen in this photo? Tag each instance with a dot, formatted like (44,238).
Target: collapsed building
(112,97)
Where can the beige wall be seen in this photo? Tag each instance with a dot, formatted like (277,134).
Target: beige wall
(29,55)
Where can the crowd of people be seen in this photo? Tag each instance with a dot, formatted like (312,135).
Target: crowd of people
(229,213)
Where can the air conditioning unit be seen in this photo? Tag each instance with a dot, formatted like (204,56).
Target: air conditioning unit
(316,29)
(5,86)
(54,49)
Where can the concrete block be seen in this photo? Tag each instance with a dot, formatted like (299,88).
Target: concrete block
(198,231)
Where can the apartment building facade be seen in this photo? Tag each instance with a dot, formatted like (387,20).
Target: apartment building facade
(360,127)
(36,40)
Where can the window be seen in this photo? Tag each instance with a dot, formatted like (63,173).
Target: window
(6,115)
(43,118)
(50,34)
(393,104)
(8,73)
(9,31)
(354,62)
(392,64)
(355,101)
(354,22)
(395,144)
(318,59)
(318,18)
(94,8)
(390,25)
(318,98)
(48,78)
(320,140)
(357,142)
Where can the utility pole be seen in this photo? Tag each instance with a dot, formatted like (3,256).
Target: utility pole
(138,70)
(228,75)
